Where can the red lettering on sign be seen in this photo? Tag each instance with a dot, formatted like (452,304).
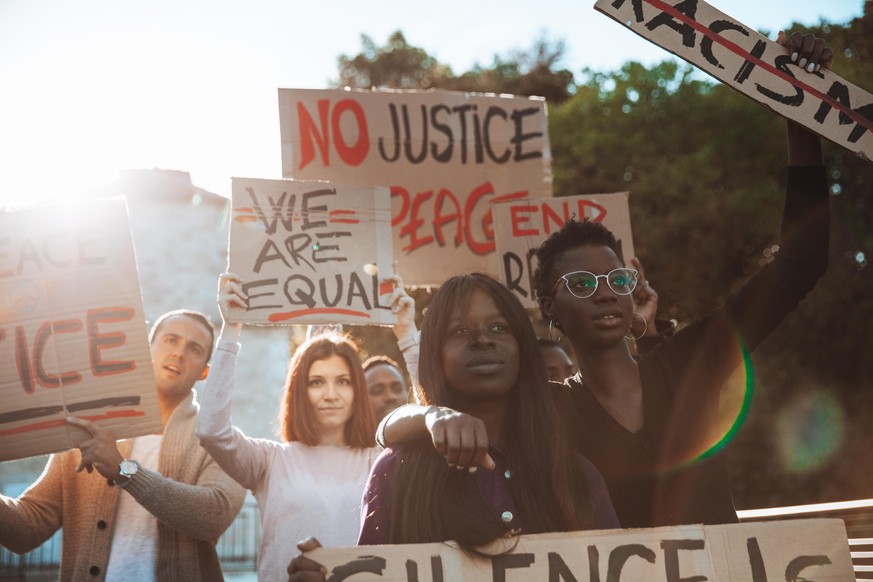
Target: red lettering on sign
(322,135)
(415,222)
(521,215)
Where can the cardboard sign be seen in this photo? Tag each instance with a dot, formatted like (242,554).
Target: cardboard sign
(812,549)
(73,338)
(444,155)
(753,65)
(311,252)
(520,226)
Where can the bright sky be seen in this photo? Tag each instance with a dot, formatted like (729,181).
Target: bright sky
(88,87)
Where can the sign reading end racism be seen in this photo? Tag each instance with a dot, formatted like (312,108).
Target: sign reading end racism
(444,155)
(73,338)
(753,65)
(812,549)
(311,252)
(520,226)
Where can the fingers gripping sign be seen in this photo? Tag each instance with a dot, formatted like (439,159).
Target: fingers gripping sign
(807,50)
(98,452)
(403,306)
(230,296)
(303,569)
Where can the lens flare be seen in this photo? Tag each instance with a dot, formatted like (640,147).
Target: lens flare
(809,430)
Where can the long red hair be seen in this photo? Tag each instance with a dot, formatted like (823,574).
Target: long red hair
(296,417)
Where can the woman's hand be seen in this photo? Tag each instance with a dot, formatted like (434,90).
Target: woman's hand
(645,303)
(810,54)
(230,296)
(403,306)
(303,569)
(459,437)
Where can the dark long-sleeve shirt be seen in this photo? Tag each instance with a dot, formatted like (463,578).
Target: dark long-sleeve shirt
(672,470)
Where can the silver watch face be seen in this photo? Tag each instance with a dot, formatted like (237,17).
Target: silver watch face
(128,468)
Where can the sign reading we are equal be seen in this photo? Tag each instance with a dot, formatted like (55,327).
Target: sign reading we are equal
(311,252)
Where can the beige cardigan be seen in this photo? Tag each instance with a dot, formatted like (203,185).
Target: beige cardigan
(192,498)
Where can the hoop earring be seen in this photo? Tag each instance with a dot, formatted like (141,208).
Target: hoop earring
(553,325)
(645,327)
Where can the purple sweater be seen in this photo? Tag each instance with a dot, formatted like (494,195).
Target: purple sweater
(493,489)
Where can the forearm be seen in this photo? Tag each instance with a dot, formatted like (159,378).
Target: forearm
(31,519)
(804,146)
(202,511)
(402,425)
(231,449)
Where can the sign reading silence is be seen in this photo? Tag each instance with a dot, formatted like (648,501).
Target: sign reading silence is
(753,65)
(445,156)
(73,337)
(311,252)
(791,551)
(522,225)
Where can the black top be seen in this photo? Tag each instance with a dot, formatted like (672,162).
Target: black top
(658,475)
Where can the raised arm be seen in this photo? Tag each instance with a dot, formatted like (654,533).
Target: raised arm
(242,458)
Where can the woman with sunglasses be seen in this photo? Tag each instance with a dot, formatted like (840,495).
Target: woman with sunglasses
(648,422)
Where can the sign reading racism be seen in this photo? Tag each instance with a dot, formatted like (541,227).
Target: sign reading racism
(445,156)
(311,252)
(812,549)
(73,338)
(755,66)
(521,225)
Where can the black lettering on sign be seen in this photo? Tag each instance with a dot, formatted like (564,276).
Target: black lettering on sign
(370,564)
(689,9)
(781,63)
(558,569)
(671,558)
(621,554)
(500,564)
(436,568)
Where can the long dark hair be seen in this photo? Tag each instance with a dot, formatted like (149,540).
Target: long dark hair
(438,503)
(296,417)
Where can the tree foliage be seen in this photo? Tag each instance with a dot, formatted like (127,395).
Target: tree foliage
(399,65)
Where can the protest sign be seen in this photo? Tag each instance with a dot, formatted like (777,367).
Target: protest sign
(73,338)
(521,225)
(811,549)
(311,252)
(753,65)
(444,155)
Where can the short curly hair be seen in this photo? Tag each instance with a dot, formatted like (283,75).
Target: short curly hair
(574,234)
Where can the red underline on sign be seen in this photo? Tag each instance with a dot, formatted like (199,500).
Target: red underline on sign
(739,51)
(337,219)
(61,422)
(316,311)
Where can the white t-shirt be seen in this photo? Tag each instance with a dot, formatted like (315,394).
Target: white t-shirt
(135,536)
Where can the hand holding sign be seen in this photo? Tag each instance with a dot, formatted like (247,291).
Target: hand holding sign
(303,569)
(808,51)
(100,451)
(645,301)
(230,296)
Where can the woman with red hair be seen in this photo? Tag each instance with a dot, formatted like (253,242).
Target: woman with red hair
(314,479)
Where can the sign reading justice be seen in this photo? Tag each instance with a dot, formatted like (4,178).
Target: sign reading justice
(794,550)
(753,65)
(311,252)
(444,155)
(521,225)
(73,338)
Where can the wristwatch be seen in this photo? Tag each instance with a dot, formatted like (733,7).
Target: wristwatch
(126,470)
